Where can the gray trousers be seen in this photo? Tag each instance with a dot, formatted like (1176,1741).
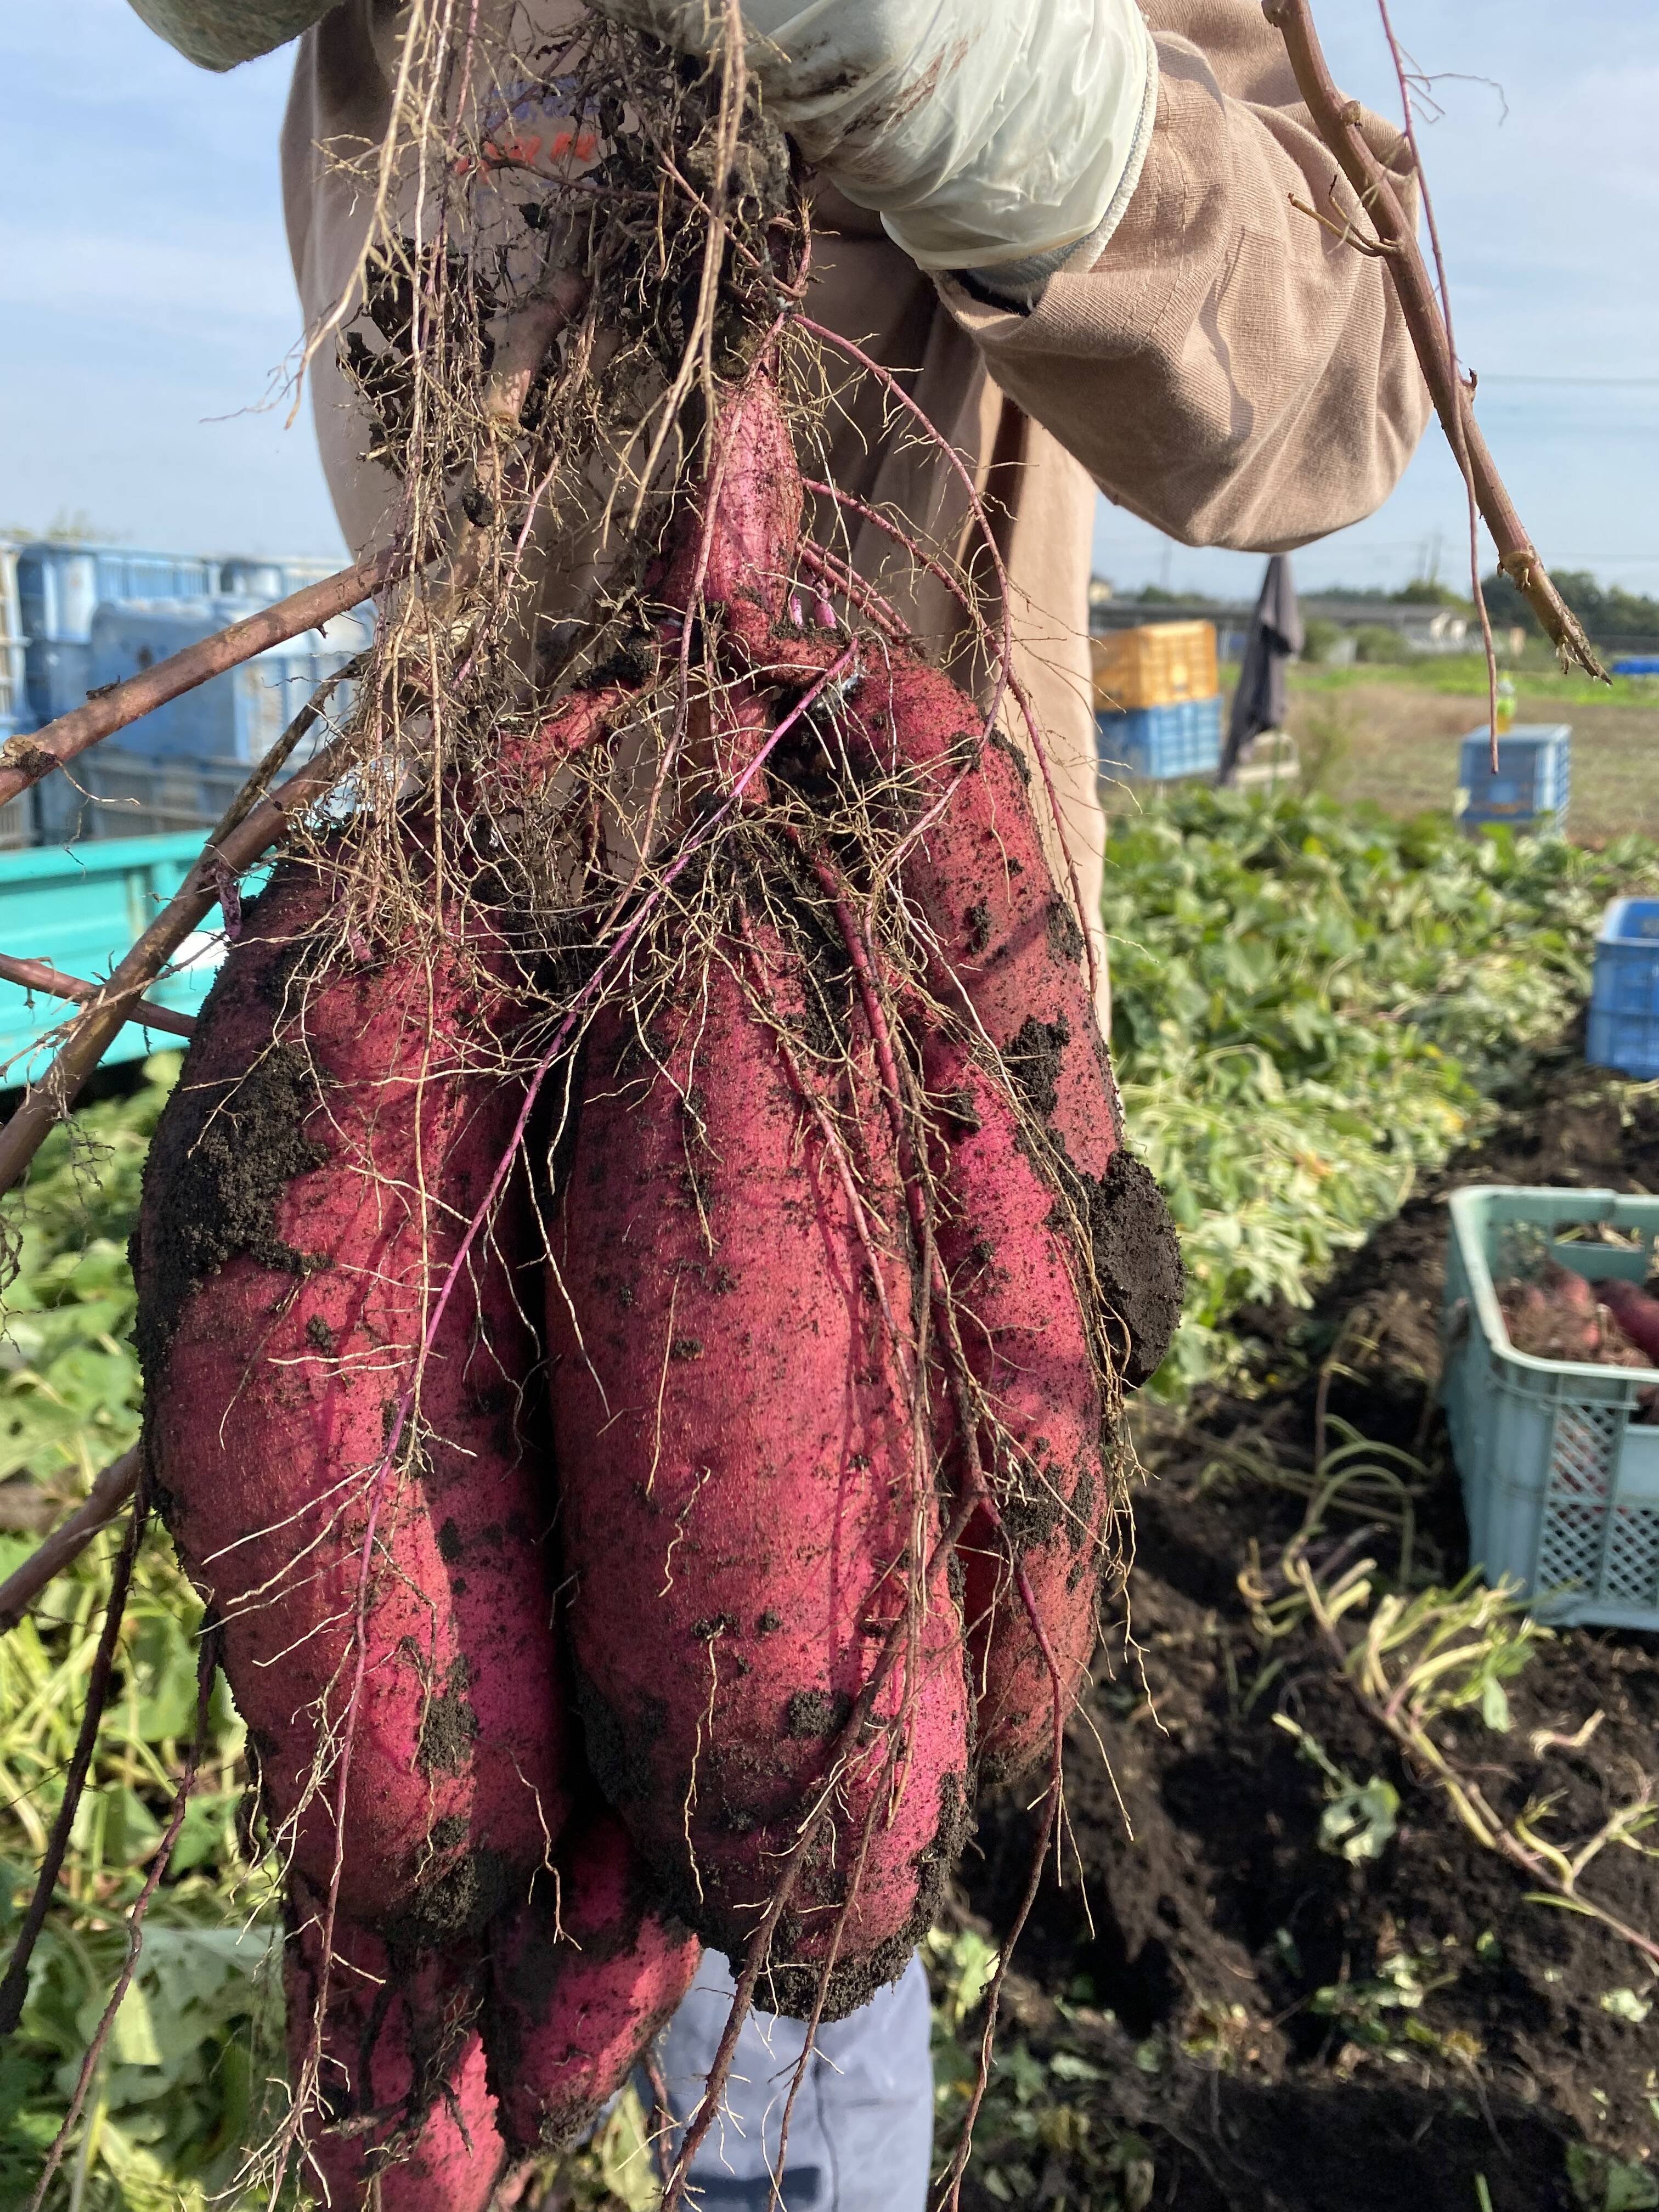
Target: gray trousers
(861,2134)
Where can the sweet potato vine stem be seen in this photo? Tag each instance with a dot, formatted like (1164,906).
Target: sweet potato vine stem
(14,1991)
(1424,1758)
(1460,446)
(25,760)
(69,1539)
(41,975)
(1337,120)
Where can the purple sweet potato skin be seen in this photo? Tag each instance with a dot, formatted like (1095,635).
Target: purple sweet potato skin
(1020,1321)
(583,1973)
(1010,952)
(741,1496)
(737,550)
(1009,942)
(405,2121)
(307,1193)
(1636,1313)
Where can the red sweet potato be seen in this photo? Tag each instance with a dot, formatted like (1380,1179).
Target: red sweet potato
(331,1136)
(1085,1273)
(742,1513)
(1020,1321)
(1008,953)
(1009,946)
(737,547)
(1636,1313)
(583,1973)
(403,2120)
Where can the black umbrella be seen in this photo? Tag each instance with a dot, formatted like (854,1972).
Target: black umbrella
(1275,633)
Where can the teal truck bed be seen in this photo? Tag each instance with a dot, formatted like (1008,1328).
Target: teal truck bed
(80,907)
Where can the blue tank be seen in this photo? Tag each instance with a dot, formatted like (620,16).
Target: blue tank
(61,585)
(60,588)
(240,715)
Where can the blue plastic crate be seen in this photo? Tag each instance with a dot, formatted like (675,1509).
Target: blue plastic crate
(1154,744)
(120,793)
(61,586)
(64,590)
(1532,779)
(1558,1459)
(239,715)
(1624,1015)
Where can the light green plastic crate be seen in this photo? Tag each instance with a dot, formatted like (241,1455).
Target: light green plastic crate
(1560,1467)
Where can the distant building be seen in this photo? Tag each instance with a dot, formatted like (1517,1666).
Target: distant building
(1421,627)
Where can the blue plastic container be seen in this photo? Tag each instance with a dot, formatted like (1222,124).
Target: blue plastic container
(1154,744)
(60,588)
(255,577)
(82,911)
(63,588)
(1533,780)
(240,714)
(120,793)
(1624,1013)
(1558,1460)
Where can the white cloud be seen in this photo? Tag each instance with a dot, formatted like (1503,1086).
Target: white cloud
(151,282)
(145,289)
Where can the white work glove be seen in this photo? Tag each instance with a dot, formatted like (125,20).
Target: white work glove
(1002,138)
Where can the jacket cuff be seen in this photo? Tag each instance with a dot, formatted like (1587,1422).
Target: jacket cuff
(216,34)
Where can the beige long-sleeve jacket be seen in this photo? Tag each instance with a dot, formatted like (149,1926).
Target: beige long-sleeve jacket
(1227,370)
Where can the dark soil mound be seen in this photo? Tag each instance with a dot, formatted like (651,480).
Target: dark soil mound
(1223,2013)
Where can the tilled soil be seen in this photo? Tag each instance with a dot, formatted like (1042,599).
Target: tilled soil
(1244,2019)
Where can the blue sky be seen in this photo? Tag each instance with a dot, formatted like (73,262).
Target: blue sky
(147,306)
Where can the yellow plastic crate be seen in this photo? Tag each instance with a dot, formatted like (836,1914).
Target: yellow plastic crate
(1160,665)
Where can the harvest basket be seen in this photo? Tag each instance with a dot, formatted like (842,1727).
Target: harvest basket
(1533,780)
(1558,1459)
(1155,744)
(1158,665)
(1624,1015)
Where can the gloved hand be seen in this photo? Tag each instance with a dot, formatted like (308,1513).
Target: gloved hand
(1000,137)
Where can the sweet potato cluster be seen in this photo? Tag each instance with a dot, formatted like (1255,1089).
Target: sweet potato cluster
(646,1480)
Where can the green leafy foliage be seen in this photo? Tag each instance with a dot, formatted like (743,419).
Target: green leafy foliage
(1035,2116)
(170,2110)
(1359,1819)
(1383,2011)
(1311,1004)
(69,1378)
(1601,2183)
(174,2104)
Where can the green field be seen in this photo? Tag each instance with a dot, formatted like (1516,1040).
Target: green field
(1391,734)
(1317,1005)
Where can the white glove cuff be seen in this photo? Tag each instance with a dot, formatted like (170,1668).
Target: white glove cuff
(981,131)
(1021,283)
(1033,133)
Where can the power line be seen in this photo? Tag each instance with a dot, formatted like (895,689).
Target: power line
(1626,383)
